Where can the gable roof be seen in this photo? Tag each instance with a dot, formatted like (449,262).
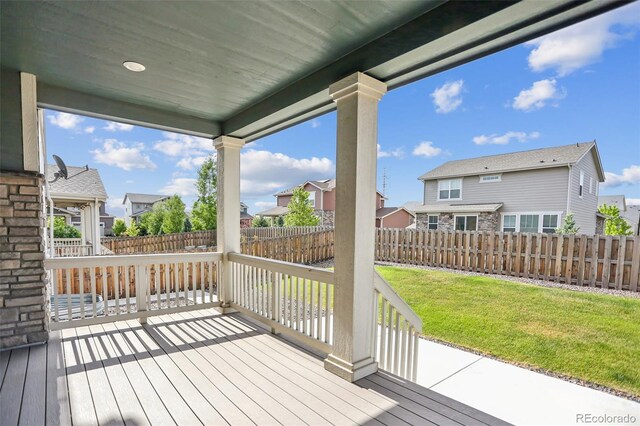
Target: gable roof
(386,211)
(556,156)
(323,185)
(143,198)
(81,184)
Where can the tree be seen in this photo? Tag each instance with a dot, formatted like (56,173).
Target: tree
(280,221)
(132,230)
(614,223)
(205,209)
(259,222)
(300,211)
(174,215)
(187,225)
(568,225)
(151,221)
(62,230)
(118,227)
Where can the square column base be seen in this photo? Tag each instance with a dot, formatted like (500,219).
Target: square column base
(348,371)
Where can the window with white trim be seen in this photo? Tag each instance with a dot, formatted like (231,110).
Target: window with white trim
(312,198)
(490,178)
(450,189)
(466,223)
(529,222)
(581,188)
(432,222)
(549,223)
(509,223)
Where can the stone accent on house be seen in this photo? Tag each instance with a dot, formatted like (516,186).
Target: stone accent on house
(600,221)
(23,301)
(489,221)
(446,221)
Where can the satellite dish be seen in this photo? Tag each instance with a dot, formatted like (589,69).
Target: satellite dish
(62,168)
(63,172)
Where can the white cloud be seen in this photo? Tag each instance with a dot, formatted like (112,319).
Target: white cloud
(65,120)
(177,145)
(426,149)
(575,47)
(633,201)
(182,186)
(397,153)
(495,139)
(115,206)
(89,129)
(117,154)
(112,126)
(129,181)
(315,123)
(629,176)
(448,97)
(536,97)
(189,163)
(264,172)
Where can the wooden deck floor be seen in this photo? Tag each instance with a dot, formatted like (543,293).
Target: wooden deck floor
(201,368)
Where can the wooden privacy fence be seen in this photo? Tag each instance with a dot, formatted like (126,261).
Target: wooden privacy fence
(584,260)
(159,243)
(276,232)
(304,248)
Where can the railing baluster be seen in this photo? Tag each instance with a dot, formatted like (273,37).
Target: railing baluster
(396,344)
(383,336)
(116,279)
(69,307)
(388,363)
(403,357)
(92,274)
(81,288)
(328,315)
(104,284)
(127,289)
(56,302)
(318,311)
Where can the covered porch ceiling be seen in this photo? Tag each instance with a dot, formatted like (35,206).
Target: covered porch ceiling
(247,69)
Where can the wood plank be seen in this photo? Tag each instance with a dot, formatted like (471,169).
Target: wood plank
(595,253)
(148,397)
(582,252)
(104,401)
(58,408)
(547,257)
(526,273)
(82,407)
(169,383)
(622,247)
(606,264)
(536,264)
(33,409)
(125,396)
(12,386)
(635,265)
(308,406)
(570,258)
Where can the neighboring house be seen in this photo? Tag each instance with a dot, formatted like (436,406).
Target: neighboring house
(245,217)
(393,217)
(81,199)
(322,195)
(630,213)
(135,205)
(528,191)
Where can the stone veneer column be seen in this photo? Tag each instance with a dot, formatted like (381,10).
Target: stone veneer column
(23,302)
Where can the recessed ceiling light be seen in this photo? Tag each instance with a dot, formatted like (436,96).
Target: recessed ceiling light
(134,66)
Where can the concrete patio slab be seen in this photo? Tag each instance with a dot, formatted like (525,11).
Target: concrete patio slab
(515,394)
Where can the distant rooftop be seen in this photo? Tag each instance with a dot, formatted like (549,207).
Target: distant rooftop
(81,183)
(143,198)
(522,160)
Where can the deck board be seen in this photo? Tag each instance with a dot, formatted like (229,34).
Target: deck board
(200,367)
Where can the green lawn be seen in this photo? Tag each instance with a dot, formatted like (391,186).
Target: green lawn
(588,336)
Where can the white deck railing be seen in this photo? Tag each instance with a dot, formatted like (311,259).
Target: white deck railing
(73,250)
(397,333)
(97,289)
(293,299)
(67,242)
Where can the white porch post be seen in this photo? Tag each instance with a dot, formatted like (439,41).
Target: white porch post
(228,231)
(357,97)
(97,246)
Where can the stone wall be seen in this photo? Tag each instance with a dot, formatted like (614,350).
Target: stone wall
(23,318)
(446,221)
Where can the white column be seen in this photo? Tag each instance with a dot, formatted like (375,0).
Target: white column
(357,97)
(228,230)
(97,244)
(83,224)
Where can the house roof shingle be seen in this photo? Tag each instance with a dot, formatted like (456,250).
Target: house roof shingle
(80,183)
(458,208)
(143,198)
(523,160)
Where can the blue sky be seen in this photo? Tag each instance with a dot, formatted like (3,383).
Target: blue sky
(579,84)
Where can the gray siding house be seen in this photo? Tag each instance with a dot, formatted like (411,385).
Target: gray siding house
(135,205)
(528,191)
